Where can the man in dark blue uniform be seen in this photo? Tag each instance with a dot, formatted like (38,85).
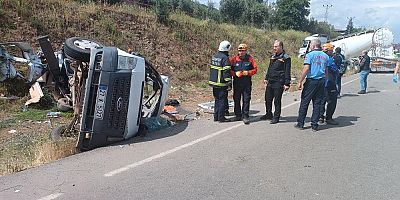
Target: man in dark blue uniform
(315,63)
(330,92)
(220,80)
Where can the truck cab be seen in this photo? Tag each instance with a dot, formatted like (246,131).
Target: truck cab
(306,43)
(115,97)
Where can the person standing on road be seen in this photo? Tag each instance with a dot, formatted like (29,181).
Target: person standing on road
(330,91)
(364,71)
(315,63)
(243,68)
(340,62)
(395,78)
(220,80)
(277,80)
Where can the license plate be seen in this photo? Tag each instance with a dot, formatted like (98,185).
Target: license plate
(101,102)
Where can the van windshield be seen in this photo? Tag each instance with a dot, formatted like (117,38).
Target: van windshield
(305,43)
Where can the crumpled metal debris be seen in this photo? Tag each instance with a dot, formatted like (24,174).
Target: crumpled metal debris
(156,123)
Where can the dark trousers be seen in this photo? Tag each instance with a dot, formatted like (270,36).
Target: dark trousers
(313,89)
(226,105)
(273,93)
(242,91)
(330,100)
(339,83)
(221,97)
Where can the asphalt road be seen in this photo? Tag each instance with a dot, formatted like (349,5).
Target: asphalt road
(358,159)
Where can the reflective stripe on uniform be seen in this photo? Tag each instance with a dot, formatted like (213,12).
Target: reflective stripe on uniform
(220,68)
(219,76)
(226,67)
(217,84)
(220,71)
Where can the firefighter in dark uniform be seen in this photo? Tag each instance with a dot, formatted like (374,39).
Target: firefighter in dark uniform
(243,67)
(330,90)
(220,80)
(277,80)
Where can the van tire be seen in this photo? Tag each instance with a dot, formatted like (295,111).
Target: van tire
(78,48)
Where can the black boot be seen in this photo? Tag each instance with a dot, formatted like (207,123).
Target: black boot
(266,117)
(274,121)
(223,119)
(246,121)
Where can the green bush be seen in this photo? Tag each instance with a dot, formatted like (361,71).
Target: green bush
(162,11)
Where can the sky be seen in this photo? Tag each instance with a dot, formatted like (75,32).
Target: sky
(366,13)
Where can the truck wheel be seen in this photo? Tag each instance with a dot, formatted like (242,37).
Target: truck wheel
(78,48)
(57,132)
(63,105)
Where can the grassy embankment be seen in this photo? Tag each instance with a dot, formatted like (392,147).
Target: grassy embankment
(181,49)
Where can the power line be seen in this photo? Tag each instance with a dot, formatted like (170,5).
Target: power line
(326,6)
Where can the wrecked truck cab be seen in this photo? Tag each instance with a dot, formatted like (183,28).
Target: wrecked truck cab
(114,97)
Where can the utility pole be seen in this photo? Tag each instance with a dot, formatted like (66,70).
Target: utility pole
(350,26)
(326,10)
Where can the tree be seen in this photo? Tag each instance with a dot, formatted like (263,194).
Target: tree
(291,14)
(315,26)
(247,12)
(186,6)
(255,13)
(232,10)
(200,11)
(212,12)
(210,8)
(162,11)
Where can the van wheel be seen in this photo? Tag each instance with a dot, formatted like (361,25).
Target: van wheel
(63,105)
(78,48)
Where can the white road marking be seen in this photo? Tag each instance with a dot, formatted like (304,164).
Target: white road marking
(162,154)
(51,196)
(165,153)
(350,81)
(287,106)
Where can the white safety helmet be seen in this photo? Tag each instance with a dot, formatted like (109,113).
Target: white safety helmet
(224,46)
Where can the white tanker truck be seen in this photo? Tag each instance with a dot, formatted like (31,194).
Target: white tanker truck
(379,42)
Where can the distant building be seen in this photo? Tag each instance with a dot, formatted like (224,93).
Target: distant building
(341,31)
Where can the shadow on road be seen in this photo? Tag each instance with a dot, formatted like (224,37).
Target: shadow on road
(181,126)
(348,95)
(255,118)
(388,71)
(283,119)
(373,91)
(167,132)
(252,112)
(163,133)
(343,122)
(291,119)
